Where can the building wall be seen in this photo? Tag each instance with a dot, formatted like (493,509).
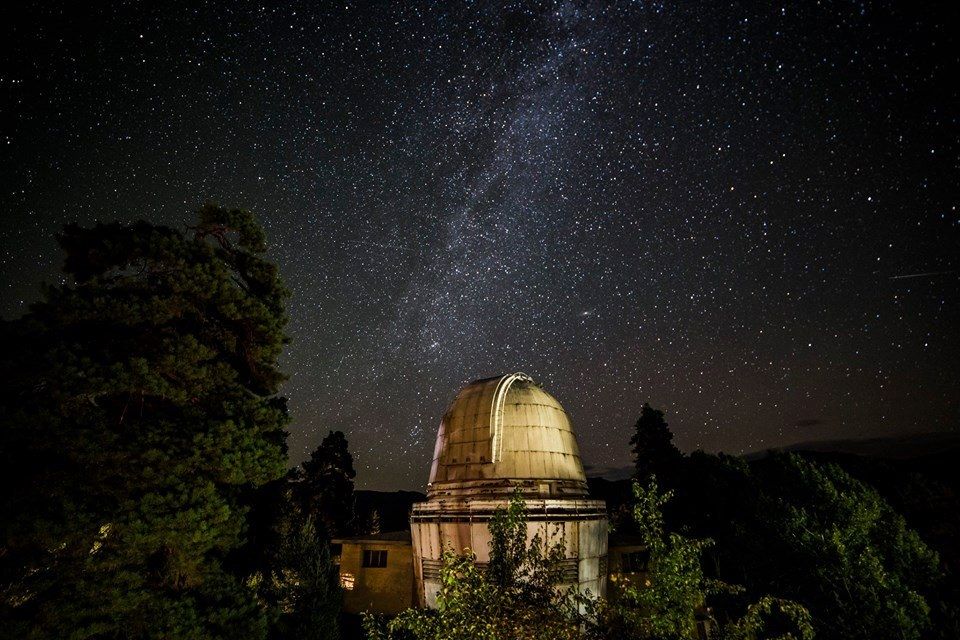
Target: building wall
(580,524)
(383,590)
(623,573)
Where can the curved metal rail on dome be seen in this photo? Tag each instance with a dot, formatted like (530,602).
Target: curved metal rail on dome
(496,413)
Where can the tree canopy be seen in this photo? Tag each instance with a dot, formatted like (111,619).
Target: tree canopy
(325,487)
(664,604)
(666,601)
(652,442)
(852,560)
(792,528)
(139,411)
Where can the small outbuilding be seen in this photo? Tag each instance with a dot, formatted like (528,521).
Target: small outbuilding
(499,435)
(376,572)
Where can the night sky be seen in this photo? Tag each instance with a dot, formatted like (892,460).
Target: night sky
(744,214)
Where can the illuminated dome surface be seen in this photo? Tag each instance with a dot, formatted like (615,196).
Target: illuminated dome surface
(502,429)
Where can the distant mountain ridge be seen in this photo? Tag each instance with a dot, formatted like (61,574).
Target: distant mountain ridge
(917,474)
(932,453)
(904,447)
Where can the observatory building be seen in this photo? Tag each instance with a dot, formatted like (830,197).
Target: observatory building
(499,435)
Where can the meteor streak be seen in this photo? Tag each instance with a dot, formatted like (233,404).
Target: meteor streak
(925,274)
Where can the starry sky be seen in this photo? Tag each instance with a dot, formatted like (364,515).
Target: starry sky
(742,213)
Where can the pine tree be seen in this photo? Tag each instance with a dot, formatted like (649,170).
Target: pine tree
(373,525)
(326,485)
(138,412)
(653,448)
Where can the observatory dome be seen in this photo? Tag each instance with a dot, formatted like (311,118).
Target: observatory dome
(499,436)
(506,432)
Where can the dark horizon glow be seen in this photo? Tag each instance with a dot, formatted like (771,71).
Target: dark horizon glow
(744,216)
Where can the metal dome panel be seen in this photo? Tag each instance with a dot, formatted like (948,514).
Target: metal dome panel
(502,430)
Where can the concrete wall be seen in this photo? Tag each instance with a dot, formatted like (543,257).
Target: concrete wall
(580,524)
(387,590)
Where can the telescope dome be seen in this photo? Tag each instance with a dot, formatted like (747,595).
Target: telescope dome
(506,432)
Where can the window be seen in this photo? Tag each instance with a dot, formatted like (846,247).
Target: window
(374,558)
(346,581)
(634,561)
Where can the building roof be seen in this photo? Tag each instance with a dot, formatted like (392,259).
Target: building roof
(396,537)
(618,539)
(505,428)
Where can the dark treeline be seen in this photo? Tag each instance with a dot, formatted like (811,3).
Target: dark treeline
(824,530)
(143,447)
(147,492)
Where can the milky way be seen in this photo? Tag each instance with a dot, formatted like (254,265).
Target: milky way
(745,215)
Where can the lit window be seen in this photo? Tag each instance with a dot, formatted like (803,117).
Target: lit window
(346,581)
(374,558)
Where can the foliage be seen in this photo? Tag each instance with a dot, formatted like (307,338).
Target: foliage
(855,563)
(305,583)
(517,596)
(325,488)
(812,533)
(653,448)
(663,606)
(372,524)
(290,565)
(137,416)
(772,619)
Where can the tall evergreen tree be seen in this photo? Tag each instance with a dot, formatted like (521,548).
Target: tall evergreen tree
(138,411)
(290,565)
(326,485)
(653,448)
